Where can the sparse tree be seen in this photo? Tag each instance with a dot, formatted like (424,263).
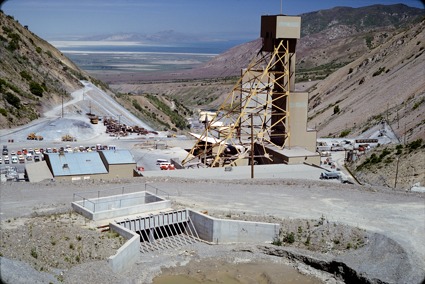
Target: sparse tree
(336,109)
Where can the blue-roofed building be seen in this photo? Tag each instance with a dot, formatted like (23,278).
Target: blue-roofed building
(106,165)
(119,163)
(76,166)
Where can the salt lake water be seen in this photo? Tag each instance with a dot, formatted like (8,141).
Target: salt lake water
(116,56)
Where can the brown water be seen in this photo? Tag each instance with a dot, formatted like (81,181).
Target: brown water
(209,272)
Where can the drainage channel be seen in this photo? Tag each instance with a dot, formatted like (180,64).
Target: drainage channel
(163,231)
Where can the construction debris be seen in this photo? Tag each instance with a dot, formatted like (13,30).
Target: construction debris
(114,128)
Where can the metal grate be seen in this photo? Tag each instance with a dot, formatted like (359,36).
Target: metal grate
(163,231)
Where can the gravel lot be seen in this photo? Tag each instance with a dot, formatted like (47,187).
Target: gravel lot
(394,251)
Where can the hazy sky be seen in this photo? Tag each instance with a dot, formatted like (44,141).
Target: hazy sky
(228,19)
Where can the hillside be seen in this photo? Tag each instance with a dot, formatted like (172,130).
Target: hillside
(34,76)
(383,84)
(334,37)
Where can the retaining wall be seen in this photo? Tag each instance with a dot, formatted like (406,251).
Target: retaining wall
(128,253)
(222,231)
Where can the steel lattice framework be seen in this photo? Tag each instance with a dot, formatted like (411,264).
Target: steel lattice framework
(255,108)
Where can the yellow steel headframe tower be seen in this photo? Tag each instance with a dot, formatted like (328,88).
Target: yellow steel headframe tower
(255,114)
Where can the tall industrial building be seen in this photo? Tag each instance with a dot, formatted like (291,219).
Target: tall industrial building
(263,120)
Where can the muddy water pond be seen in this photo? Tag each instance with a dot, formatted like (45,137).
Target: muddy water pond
(208,272)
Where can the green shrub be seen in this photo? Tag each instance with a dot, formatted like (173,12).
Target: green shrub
(137,105)
(369,40)
(415,144)
(277,242)
(38,49)
(3,112)
(13,100)
(380,70)
(36,89)
(336,109)
(417,104)
(384,153)
(13,46)
(345,133)
(34,253)
(289,238)
(25,75)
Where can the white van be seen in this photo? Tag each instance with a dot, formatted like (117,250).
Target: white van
(161,161)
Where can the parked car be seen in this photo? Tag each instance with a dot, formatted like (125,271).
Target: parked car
(330,175)
(29,157)
(21,159)
(14,159)
(36,158)
(1,160)
(6,159)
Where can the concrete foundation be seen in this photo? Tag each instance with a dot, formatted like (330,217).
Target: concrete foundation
(221,231)
(119,205)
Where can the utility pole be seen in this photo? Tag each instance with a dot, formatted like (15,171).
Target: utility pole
(119,124)
(62,106)
(396,172)
(252,146)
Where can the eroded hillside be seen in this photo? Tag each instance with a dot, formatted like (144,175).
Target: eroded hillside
(386,84)
(34,75)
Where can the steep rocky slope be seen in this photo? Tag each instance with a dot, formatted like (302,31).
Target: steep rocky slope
(33,76)
(386,84)
(331,38)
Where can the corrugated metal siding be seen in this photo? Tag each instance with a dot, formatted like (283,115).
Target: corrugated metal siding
(116,157)
(70,164)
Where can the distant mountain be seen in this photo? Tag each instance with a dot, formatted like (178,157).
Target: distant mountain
(330,39)
(359,19)
(162,37)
